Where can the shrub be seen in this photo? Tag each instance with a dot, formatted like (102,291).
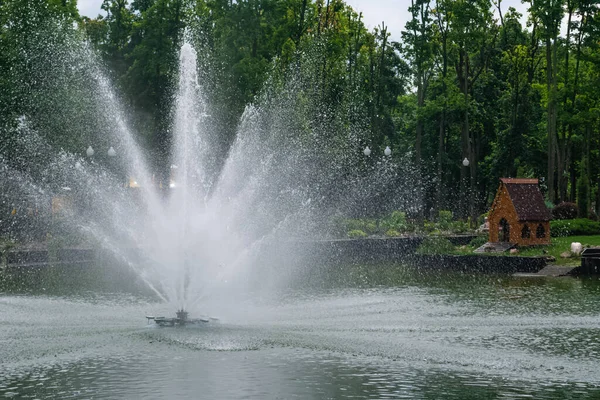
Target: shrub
(435,245)
(428,227)
(478,241)
(356,224)
(571,227)
(565,210)
(396,221)
(392,233)
(370,227)
(444,220)
(357,233)
(353,224)
(459,226)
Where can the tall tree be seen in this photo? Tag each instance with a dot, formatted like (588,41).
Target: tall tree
(548,15)
(418,46)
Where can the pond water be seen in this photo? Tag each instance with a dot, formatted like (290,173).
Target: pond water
(427,336)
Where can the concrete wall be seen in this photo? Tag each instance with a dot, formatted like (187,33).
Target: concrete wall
(480,263)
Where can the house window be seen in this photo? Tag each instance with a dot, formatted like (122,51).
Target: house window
(540,232)
(525,232)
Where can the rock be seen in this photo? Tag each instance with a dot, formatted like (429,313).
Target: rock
(514,251)
(576,248)
(550,259)
(565,254)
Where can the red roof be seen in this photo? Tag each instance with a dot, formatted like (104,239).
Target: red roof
(528,200)
(531,181)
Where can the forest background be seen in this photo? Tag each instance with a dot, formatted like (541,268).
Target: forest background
(467,80)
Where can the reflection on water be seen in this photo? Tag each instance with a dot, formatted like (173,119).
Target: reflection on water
(281,373)
(429,336)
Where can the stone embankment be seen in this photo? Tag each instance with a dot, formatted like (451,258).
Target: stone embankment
(340,251)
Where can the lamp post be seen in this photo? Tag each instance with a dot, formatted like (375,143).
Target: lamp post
(367,151)
(387,151)
(464,188)
(469,187)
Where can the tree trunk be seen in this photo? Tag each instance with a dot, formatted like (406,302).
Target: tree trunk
(550,122)
(419,128)
(465,135)
(442,130)
(440,160)
(301,24)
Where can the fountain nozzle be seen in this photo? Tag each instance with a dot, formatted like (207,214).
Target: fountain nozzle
(181,315)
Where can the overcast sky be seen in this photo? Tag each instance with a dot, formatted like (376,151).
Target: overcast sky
(393,12)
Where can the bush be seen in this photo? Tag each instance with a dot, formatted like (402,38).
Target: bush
(565,211)
(435,245)
(353,224)
(392,233)
(572,227)
(444,220)
(370,227)
(459,226)
(478,241)
(366,225)
(356,234)
(396,221)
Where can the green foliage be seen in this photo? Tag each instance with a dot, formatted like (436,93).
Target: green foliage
(565,210)
(435,245)
(583,191)
(357,234)
(569,227)
(459,227)
(444,220)
(392,233)
(478,241)
(496,89)
(366,225)
(560,245)
(396,221)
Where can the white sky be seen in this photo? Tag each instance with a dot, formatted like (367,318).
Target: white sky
(90,8)
(393,12)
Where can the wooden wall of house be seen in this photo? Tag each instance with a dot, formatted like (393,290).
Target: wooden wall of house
(533,240)
(504,208)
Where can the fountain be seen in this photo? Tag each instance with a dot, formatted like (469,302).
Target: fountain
(200,237)
(197,235)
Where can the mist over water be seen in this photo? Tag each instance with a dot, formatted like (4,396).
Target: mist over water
(196,235)
(210,231)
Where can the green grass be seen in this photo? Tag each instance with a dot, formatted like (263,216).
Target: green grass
(559,245)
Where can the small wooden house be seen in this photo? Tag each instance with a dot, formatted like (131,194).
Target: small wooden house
(519,214)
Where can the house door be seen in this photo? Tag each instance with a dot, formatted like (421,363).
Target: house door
(504,233)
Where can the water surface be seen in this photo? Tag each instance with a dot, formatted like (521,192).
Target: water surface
(428,336)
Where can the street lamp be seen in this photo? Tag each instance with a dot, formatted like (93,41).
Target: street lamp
(111,152)
(466,162)
(367,151)
(89,151)
(387,151)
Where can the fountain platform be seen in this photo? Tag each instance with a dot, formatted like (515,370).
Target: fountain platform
(181,319)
